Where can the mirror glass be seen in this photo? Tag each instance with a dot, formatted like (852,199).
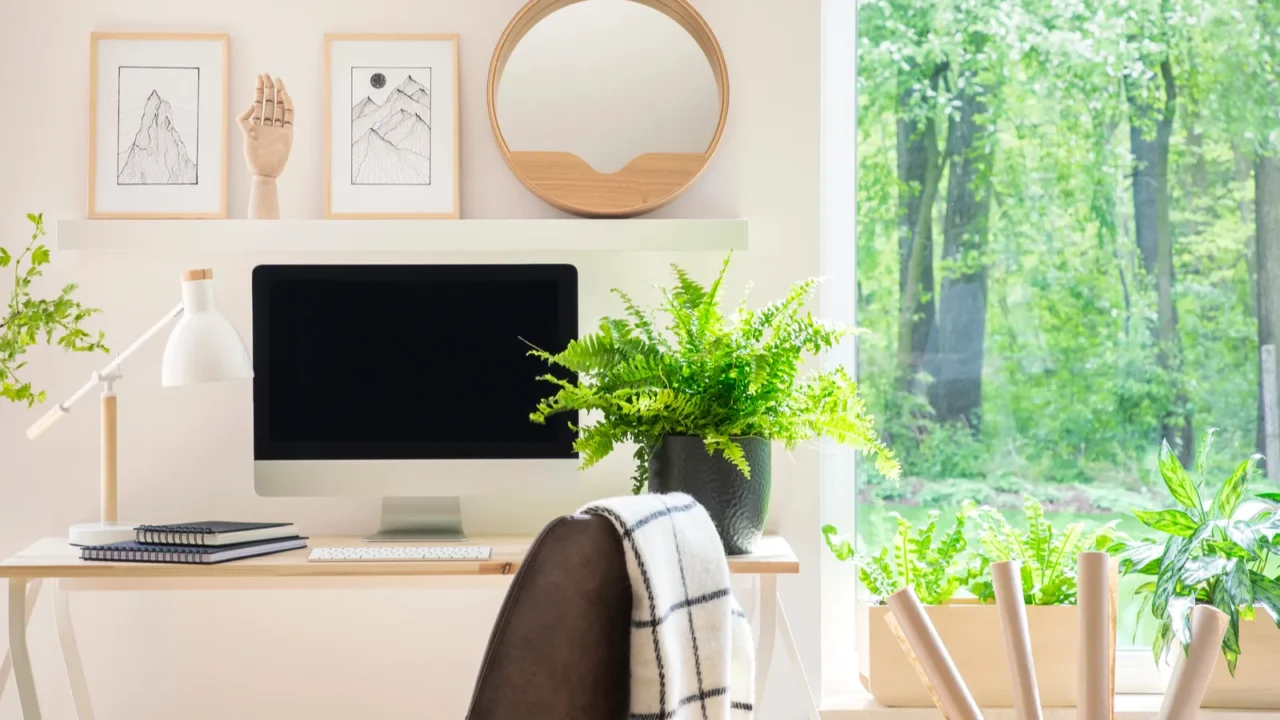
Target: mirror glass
(608,80)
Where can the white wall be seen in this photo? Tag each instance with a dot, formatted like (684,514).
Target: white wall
(186,454)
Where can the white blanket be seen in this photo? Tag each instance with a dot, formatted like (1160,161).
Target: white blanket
(692,657)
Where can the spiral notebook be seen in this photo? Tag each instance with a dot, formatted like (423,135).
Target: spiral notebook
(130,551)
(214,532)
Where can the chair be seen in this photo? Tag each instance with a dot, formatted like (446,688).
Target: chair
(560,649)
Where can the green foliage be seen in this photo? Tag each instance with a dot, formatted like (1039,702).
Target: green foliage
(935,570)
(709,376)
(1215,551)
(1048,558)
(1071,382)
(29,320)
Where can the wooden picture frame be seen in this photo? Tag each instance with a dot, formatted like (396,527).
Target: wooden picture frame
(350,196)
(158,186)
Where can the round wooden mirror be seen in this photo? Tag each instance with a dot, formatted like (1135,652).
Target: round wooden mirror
(608,108)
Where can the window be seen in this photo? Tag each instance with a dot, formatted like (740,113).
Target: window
(1068,226)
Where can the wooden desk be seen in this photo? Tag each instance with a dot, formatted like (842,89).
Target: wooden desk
(53,559)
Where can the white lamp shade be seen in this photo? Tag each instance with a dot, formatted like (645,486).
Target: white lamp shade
(204,347)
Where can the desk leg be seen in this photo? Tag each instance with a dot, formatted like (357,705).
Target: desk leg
(767,619)
(22,673)
(71,653)
(793,653)
(6,665)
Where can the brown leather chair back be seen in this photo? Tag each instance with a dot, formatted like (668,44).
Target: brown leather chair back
(560,649)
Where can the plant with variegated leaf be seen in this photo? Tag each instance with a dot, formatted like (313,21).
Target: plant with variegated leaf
(1214,552)
(709,376)
(934,567)
(1047,557)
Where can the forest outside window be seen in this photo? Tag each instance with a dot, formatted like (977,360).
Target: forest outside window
(1068,248)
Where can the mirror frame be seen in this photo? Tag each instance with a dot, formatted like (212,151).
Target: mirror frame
(649,180)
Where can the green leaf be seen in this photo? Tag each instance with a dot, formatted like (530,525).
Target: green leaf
(5,258)
(1180,618)
(40,256)
(1272,496)
(840,547)
(1172,522)
(1267,593)
(1202,455)
(1175,555)
(1229,495)
(1198,570)
(1175,478)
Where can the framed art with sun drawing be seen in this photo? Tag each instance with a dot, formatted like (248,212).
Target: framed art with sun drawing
(391,126)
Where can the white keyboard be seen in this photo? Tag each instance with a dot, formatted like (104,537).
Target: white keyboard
(373,553)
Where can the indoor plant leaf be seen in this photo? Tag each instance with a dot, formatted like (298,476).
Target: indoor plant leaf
(1176,479)
(1229,494)
(1173,522)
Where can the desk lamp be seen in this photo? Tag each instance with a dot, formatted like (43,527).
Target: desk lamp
(203,347)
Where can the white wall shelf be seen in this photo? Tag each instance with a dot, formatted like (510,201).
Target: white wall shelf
(552,235)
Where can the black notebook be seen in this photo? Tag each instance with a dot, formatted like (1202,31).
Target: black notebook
(130,551)
(213,532)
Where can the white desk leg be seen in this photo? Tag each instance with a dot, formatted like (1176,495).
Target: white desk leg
(6,666)
(22,672)
(767,626)
(793,653)
(71,653)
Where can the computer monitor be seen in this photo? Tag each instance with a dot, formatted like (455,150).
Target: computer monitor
(409,382)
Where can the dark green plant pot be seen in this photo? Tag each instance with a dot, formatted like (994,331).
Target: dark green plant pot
(736,504)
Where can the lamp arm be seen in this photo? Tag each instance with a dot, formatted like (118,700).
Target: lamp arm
(64,407)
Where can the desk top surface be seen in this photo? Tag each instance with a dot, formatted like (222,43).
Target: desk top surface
(55,558)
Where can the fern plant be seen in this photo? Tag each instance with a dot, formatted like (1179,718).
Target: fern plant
(1048,558)
(935,570)
(708,375)
(27,320)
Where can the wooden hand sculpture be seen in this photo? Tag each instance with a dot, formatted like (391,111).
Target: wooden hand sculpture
(268,136)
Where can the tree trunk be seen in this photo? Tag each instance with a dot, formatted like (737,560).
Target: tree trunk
(1267,201)
(919,171)
(1151,124)
(956,393)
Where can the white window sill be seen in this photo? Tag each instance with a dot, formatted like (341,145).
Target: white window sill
(1128,707)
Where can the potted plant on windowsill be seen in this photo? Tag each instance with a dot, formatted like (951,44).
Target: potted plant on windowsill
(1214,550)
(704,399)
(970,626)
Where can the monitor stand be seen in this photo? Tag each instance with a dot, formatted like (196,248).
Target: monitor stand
(420,519)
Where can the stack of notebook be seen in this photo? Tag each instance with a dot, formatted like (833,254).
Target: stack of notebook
(202,543)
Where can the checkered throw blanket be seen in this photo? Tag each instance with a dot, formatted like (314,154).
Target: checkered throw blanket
(692,656)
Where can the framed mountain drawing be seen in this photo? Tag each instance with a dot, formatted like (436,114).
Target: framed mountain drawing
(391,126)
(158,120)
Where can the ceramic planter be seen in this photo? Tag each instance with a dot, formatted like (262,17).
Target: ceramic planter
(1255,685)
(971,632)
(736,504)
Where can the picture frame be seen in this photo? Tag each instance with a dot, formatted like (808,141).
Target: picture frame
(158,121)
(383,158)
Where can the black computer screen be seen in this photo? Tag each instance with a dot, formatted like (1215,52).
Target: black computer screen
(371,362)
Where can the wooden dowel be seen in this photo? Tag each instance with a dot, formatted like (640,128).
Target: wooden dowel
(108,512)
(1093,590)
(1192,671)
(1006,576)
(949,690)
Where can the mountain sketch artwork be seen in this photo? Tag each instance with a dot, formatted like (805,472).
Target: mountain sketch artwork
(158,155)
(391,140)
